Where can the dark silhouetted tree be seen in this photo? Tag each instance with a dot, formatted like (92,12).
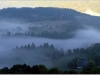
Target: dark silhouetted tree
(54,71)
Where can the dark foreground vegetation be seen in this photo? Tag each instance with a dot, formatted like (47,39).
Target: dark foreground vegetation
(36,69)
(41,69)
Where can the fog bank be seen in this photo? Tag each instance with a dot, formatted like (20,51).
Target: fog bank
(82,38)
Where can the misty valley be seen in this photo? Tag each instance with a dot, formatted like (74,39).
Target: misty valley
(54,39)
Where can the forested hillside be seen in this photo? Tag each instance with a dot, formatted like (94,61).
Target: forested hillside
(39,14)
(48,13)
(69,21)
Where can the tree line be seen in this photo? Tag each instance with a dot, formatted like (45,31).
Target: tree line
(35,69)
(42,69)
(46,34)
(39,13)
(48,50)
(91,53)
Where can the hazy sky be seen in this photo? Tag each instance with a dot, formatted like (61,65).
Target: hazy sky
(35,3)
(30,3)
(79,5)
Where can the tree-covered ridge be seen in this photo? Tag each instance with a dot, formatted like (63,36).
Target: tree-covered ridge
(46,34)
(46,49)
(64,31)
(39,13)
(90,53)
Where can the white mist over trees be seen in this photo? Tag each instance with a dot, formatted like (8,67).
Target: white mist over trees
(84,36)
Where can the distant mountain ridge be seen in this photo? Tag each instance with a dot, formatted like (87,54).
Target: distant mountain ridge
(79,5)
(49,13)
(40,13)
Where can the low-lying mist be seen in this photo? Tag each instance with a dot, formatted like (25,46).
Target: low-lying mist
(13,26)
(9,57)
